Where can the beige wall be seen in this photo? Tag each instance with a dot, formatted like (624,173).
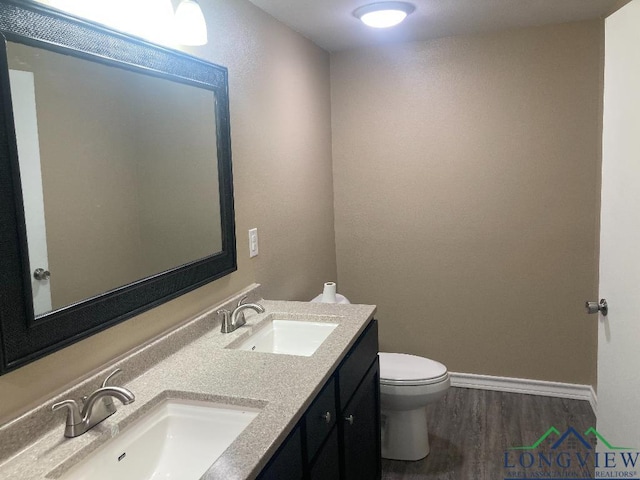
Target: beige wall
(466,177)
(281,141)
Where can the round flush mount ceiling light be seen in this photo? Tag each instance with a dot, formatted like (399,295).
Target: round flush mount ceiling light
(383,14)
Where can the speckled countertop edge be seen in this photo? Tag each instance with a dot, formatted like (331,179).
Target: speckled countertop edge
(197,365)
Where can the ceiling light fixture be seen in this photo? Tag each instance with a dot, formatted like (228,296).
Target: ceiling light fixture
(383,14)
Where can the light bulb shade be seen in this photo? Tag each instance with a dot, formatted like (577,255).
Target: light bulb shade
(151,19)
(383,14)
(191,28)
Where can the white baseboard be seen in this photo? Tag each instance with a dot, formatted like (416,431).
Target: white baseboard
(523,385)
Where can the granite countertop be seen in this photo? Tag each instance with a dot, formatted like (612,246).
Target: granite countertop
(281,386)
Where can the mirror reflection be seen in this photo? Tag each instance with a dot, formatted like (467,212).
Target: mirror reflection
(118,170)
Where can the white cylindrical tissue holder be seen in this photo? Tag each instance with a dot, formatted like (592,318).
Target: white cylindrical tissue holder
(329,293)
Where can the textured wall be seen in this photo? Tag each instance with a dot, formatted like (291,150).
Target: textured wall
(466,177)
(281,142)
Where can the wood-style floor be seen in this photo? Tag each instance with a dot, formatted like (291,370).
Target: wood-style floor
(471,430)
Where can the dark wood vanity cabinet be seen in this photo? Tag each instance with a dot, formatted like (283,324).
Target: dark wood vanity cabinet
(286,464)
(361,457)
(326,465)
(338,438)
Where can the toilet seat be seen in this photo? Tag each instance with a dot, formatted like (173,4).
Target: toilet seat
(401,369)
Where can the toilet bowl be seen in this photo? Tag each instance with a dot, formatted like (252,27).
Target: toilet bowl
(408,383)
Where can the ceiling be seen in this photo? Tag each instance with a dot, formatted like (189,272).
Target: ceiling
(331,25)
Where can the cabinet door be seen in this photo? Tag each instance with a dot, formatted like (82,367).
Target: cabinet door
(286,464)
(326,466)
(320,418)
(361,430)
(357,362)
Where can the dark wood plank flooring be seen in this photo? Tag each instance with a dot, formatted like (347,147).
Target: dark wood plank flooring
(470,431)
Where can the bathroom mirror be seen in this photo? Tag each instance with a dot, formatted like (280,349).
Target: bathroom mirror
(115,173)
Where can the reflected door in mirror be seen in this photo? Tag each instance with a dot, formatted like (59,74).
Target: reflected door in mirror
(122,167)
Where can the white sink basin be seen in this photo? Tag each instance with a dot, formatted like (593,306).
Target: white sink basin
(178,439)
(289,337)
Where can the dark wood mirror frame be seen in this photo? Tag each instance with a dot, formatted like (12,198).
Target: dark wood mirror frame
(25,337)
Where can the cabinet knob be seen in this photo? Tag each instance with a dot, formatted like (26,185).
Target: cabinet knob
(349,419)
(327,417)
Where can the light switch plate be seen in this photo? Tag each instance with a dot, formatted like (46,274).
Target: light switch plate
(253,242)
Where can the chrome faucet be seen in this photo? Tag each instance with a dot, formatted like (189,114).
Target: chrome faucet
(235,319)
(97,406)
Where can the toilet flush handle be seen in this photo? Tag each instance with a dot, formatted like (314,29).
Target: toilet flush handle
(349,419)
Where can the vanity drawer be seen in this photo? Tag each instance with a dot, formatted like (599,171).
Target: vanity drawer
(320,418)
(357,362)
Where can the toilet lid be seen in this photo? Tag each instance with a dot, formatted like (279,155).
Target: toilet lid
(404,369)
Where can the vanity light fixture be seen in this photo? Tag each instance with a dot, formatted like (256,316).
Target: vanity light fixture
(154,20)
(191,28)
(383,14)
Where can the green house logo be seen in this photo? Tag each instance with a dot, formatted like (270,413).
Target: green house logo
(572,433)
(571,455)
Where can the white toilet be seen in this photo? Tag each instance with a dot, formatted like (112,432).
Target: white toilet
(407,384)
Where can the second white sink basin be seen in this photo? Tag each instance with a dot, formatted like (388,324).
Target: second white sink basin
(179,439)
(290,337)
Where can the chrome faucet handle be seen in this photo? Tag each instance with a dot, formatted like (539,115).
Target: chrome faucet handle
(73,411)
(225,326)
(237,316)
(113,374)
(94,411)
(232,320)
(88,415)
(242,301)
(108,401)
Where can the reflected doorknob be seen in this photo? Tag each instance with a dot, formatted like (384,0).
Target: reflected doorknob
(595,307)
(41,274)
